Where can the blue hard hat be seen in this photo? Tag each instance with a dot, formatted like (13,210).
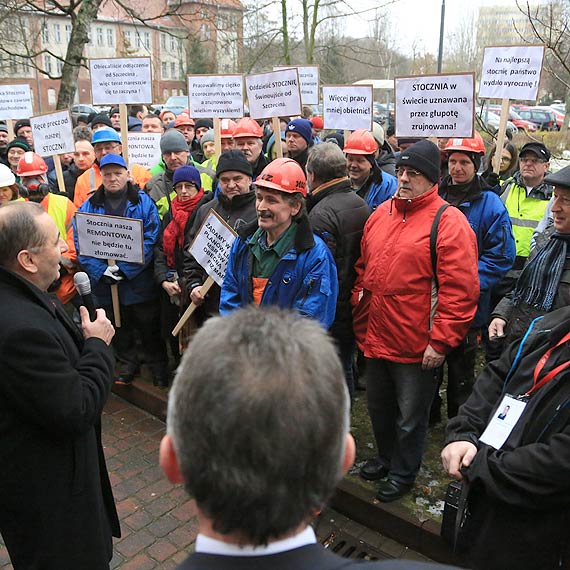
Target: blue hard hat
(105,135)
(112,159)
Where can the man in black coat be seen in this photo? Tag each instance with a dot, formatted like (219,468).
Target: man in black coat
(56,504)
(259,433)
(338,215)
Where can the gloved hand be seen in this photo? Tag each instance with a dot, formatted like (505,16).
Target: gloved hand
(493,179)
(112,275)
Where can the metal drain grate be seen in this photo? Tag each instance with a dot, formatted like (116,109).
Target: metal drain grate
(348,546)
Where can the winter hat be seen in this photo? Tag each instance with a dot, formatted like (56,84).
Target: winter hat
(173,141)
(302,127)
(378,133)
(424,156)
(208,123)
(3,127)
(19,142)
(208,136)
(317,122)
(335,138)
(233,160)
(187,173)
(113,111)
(101,119)
(560,178)
(474,157)
(21,123)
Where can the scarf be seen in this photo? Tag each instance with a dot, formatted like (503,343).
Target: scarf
(538,283)
(174,232)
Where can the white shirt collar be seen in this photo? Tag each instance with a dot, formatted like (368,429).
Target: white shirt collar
(207,545)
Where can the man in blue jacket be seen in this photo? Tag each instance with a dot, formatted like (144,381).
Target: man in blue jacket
(138,293)
(489,219)
(277,260)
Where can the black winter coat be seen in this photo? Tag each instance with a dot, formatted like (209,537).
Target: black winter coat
(338,216)
(519,496)
(56,503)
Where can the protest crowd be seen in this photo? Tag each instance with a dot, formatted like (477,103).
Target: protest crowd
(411,257)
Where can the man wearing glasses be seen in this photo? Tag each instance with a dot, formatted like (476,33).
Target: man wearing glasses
(406,317)
(526,197)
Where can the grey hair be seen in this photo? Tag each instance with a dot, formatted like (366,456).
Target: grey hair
(326,162)
(82,133)
(19,230)
(259,414)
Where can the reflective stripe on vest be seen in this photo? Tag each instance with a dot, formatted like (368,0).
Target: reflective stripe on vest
(525,213)
(92,186)
(57,211)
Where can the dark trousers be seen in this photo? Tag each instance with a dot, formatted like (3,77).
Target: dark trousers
(346,348)
(399,398)
(142,319)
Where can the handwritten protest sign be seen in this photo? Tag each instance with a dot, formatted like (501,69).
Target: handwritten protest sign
(211,247)
(347,107)
(110,237)
(121,80)
(144,149)
(215,96)
(435,106)
(273,94)
(53,133)
(15,101)
(511,72)
(309,80)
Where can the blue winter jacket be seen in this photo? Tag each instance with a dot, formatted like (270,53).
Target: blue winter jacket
(139,285)
(305,278)
(490,221)
(382,187)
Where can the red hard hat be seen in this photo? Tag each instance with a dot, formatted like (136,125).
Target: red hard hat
(317,122)
(475,145)
(183,120)
(284,175)
(247,128)
(31,164)
(227,128)
(360,141)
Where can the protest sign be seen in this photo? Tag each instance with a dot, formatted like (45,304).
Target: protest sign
(511,72)
(215,96)
(273,94)
(347,107)
(110,237)
(15,102)
(435,106)
(211,247)
(53,133)
(309,80)
(144,149)
(121,80)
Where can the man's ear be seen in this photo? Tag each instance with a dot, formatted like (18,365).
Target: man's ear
(349,454)
(169,461)
(25,261)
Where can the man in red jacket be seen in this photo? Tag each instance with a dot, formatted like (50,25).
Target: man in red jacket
(406,318)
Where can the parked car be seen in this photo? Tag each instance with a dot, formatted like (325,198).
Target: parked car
(515,118)
(176,104)
(492,121)
(558,114)
(82,109)
(543,117)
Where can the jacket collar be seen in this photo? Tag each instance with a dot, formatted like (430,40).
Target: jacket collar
(98,197)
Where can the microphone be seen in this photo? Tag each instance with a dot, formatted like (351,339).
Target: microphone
(83,287)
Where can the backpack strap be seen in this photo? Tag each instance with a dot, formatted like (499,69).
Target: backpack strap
(433,241)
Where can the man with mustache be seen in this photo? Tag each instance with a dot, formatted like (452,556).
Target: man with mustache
(248,137)
(277,260)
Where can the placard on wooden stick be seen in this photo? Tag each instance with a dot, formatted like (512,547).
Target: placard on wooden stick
(275,94)
(218,96)
(309,80)
(15,102)
(347,107)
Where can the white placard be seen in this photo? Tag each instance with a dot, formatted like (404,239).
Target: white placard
(274,94)
(144,149)
(309,80)
(15,102)
(215,96)
(435,105)
(211,247)
(511,72)
(121,80)
(110,237)
(53,133)
(347,107)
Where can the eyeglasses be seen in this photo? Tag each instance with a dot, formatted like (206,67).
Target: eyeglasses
(410,172)
(531,160)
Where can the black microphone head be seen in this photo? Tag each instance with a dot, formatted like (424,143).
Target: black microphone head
(82,283)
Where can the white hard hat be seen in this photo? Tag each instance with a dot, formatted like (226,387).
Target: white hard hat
(7,178)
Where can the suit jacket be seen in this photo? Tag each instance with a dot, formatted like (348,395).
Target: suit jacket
(310,557)
(56,505)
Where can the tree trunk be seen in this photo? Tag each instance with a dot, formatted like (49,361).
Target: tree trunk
(286,53)
(81,23)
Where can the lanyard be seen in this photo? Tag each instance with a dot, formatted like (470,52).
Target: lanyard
(540,365)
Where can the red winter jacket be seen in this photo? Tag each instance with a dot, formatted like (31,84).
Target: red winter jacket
(392,295)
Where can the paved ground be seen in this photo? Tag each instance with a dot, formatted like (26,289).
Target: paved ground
(158,520)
